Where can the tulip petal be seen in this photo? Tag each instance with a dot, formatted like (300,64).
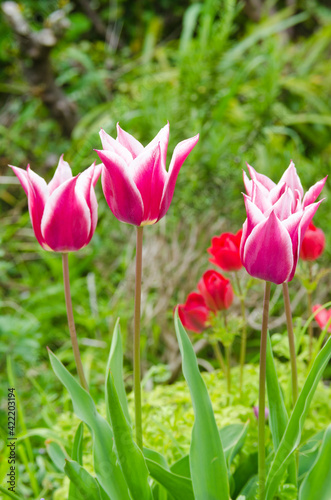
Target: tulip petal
(268,252)
(129,142)
(292,179)
(297,238)
(110,144)
(66,222)
(62,173)
(22,177)
(282,207)
(314,192)
(85,187)
(97,173)
(260,197)
(181,152)
(145,171)
(121,193)
(37,198)
(163,138)
(263,179)
(194,314)
(277,192)
(248,184)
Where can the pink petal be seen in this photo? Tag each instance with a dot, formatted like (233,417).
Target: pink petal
(268,252)
(254,215)
(292,179)
(110,144)
(163,138)
(260,196)
(22,177)
(85,186)
(149,177)
(37,198)
(263,179)
(297,238)
(62,174)
(282,207)
(129,142)
(248,184)
(66,222)
(181,152)
(277,192)
(121,193)
(97,173)
(314,192)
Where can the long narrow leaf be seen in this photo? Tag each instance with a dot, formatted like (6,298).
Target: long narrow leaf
(106,467)
(317,483)
(292,434)
(178,486)
(130,457)
(115,365)
(86,487)
(77,456)
(207,461)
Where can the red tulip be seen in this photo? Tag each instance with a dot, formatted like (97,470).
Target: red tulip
(64,213)
(136,184)
(323,317)
(313,243)
(216,290)
(225,251)
(194,314)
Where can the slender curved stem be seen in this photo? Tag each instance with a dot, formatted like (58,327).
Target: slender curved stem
(291,342)
(219,355)
(244,334)
(71,322)
(261,419)
(136,340)
(228,362)
(310,312)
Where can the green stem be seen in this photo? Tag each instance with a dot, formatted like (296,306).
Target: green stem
(228,362)
(261,419)
(71,322)
(244,335)
(136,339)
(310,312)
(219,356)
(291,342)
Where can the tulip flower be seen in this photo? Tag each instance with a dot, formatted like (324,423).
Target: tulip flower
(194,314)
(313,243)
(63,213)
(216,290)
(323,317)
(225,251)
(135,182)
(277,219)
(256,412)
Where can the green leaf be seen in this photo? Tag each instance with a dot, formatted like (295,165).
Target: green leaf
(178,486)
(278,417)
(115,365)
(232,438)
(77,456)
(77,447)
(129,455)
(57,454)
(86,487)
(182,467)
(292,434)
(207,460)
(106,468)
(317,483)
(308,454)
(9,493)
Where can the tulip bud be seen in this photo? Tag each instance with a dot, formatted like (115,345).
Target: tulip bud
(323,317)
(225,251)
(216,290)
(194,314)
(313,243)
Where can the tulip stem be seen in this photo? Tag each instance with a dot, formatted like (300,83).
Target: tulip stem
(244,335)
(310,312)
(291,342)
(136,339)
(261,419)
(219,356)
(71,322)
(228,362)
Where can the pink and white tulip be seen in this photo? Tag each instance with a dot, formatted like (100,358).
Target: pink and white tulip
(278,216)
(135,182)
(64,213)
